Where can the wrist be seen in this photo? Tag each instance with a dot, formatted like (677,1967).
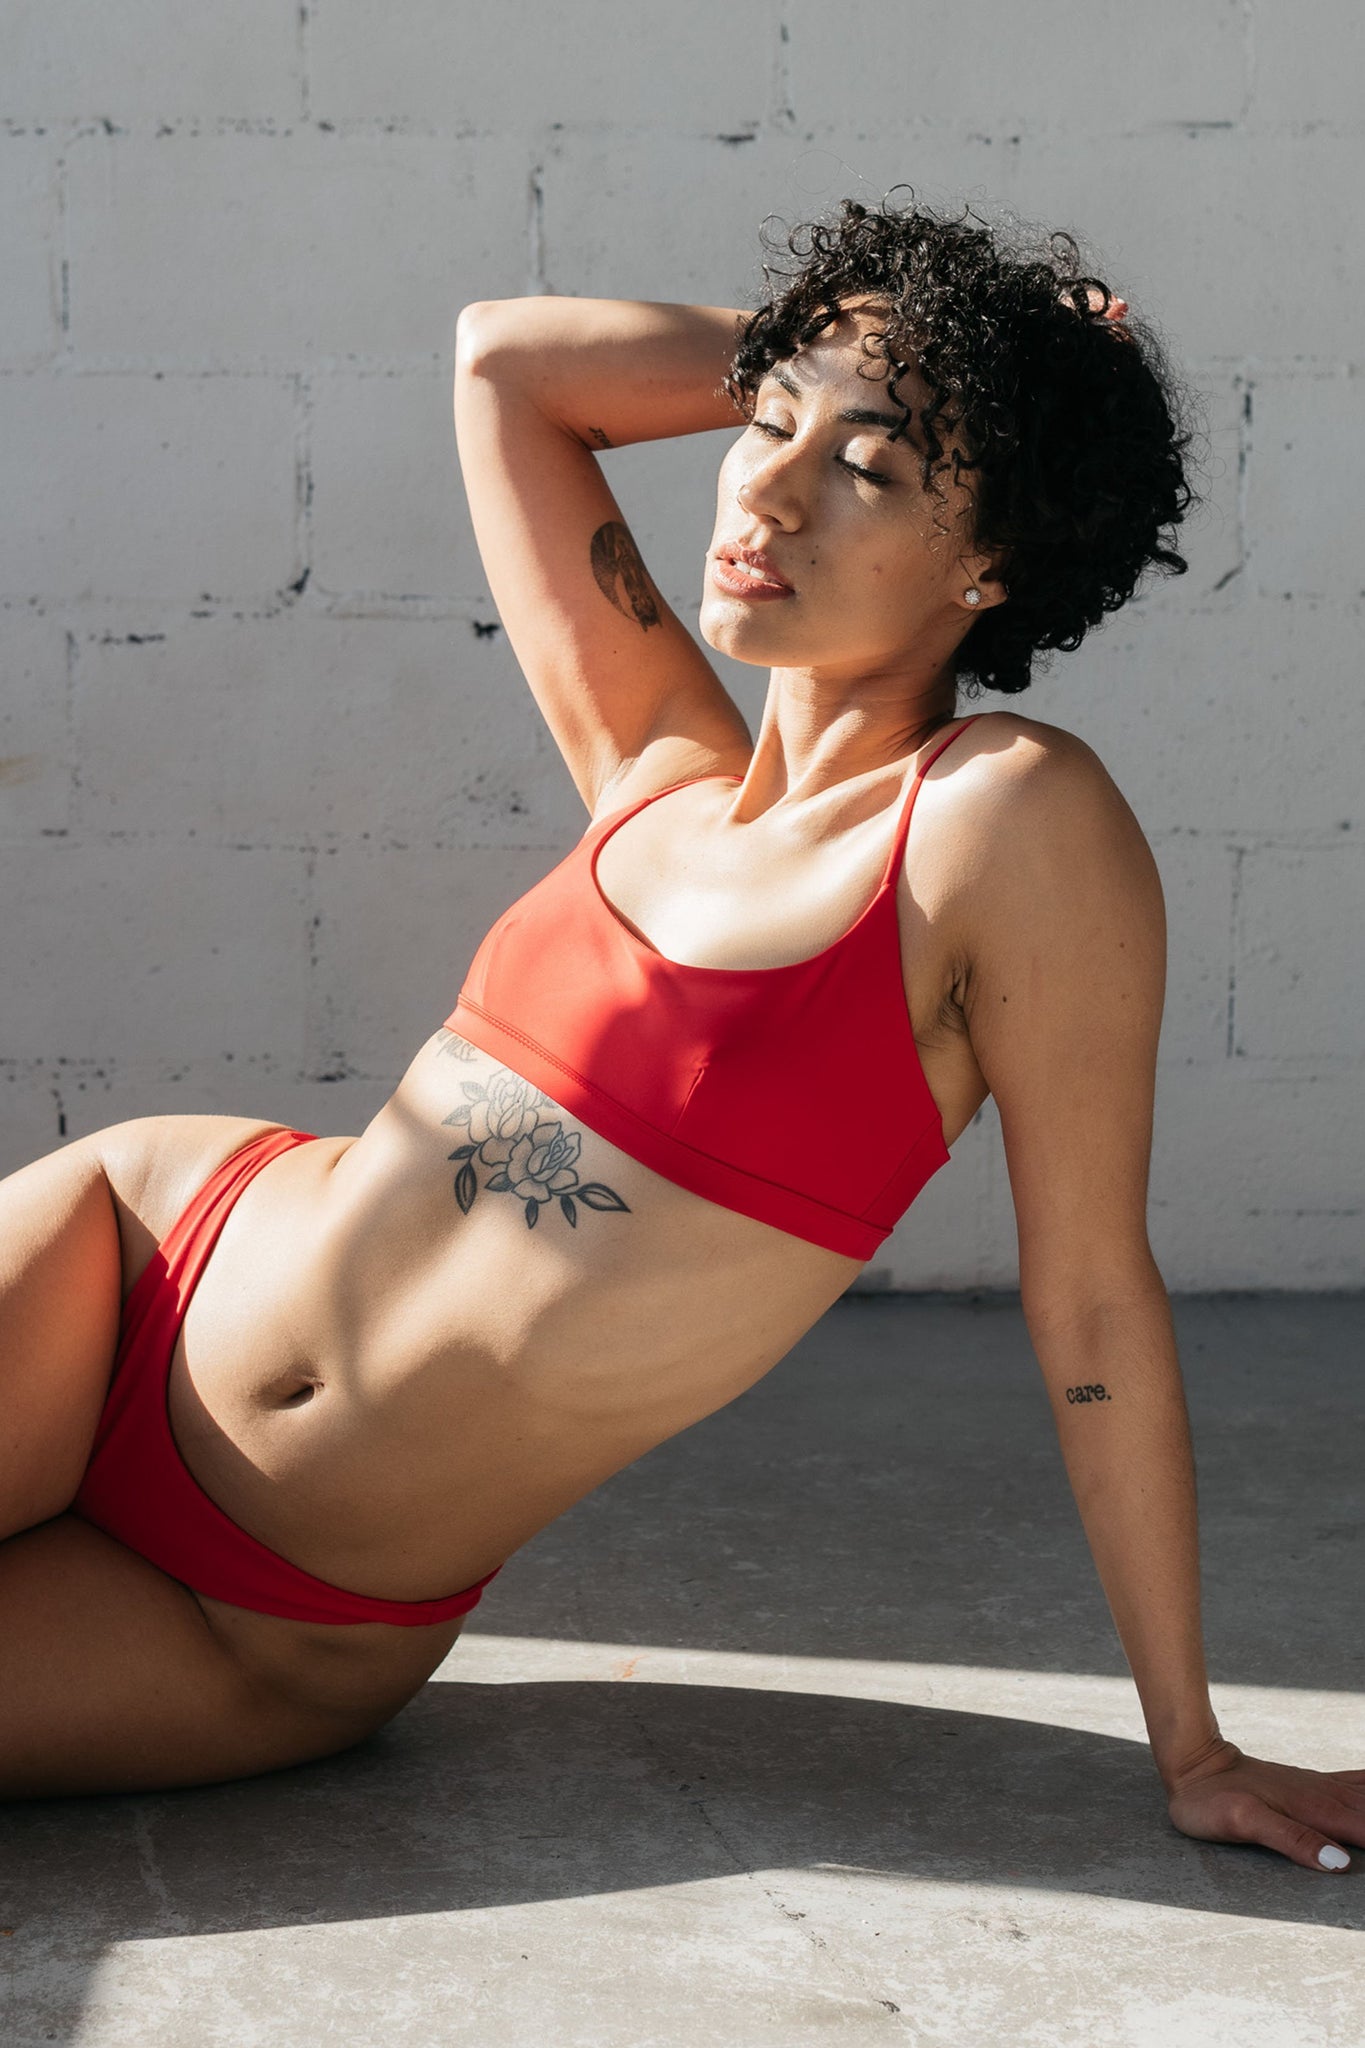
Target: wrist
(1182,1727)
(1183,1766)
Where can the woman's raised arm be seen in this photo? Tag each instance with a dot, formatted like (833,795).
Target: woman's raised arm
(611,371)
(540,384)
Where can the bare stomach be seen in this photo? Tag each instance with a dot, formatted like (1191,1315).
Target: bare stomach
(395,1377)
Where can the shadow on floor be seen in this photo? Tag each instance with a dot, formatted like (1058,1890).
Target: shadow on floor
(488,1795)
(894,1491)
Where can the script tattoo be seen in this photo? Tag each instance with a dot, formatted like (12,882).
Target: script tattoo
(532,1155)
(454,1046)
(600,437)
(621,574)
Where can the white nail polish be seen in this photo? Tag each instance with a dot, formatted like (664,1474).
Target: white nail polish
(1332,1858)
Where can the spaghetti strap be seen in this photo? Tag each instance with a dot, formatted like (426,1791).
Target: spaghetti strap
(615,818)
(601,829)
(692,1071)
(897,853)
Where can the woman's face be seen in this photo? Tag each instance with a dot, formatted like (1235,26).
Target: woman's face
(875,584)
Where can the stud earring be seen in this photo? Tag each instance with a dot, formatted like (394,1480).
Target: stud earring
(973,595)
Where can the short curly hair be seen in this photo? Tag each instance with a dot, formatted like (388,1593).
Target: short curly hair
(1071,426)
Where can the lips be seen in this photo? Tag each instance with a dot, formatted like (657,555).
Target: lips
(754,558)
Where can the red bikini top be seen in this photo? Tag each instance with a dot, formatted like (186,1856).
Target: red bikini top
(707,1074)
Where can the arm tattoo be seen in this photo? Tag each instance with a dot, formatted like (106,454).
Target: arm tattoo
(1095,1393)
(532,1155)
(600,438)
(621,574)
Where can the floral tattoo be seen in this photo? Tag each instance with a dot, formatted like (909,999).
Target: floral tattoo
(532,1154)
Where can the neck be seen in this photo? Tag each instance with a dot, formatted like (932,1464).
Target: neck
(814,735)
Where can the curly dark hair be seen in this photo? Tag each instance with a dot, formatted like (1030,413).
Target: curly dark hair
(1072,426)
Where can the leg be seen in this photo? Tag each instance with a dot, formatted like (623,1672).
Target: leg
(60,1294)
(71,1225)
(112,1674)
(112,1680)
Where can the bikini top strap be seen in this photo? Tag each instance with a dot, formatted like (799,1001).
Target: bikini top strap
(600,826)
(897,854)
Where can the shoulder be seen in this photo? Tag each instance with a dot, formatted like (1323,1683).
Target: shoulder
(1029,785)
(1037,831)
(1048,849)
(1061,989)
(1027,757)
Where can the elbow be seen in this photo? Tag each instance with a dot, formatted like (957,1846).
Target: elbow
(473,334)
(1061,1302)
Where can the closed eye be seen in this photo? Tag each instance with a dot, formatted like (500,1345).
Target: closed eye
(873,476)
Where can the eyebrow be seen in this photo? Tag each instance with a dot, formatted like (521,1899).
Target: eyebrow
(856,415)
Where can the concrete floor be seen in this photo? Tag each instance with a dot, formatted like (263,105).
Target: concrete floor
(811,1727)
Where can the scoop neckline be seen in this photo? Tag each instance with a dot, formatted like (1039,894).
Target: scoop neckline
(783,967)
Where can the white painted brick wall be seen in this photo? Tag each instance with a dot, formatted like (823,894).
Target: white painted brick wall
(35,778)
(523,67)
(161,486)
(386,523)
(30,222)
(217,964)
(247,251)
(876,64)
(309,731)
(1304,500)
(144,63)
(267,768)
(1300,998)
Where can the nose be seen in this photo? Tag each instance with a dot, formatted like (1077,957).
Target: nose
(772,488)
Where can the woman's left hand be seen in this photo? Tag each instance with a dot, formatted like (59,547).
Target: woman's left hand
(1226,1796)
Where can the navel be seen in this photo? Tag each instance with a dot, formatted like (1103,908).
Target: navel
(299,1397)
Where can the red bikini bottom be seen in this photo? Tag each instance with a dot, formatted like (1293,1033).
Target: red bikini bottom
(138,1488)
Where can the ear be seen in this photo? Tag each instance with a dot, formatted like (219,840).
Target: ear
(987,572)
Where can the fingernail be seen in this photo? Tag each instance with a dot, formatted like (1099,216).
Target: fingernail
(1332,1858)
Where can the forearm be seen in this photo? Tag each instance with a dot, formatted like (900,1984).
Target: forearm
(612,371)
(1130,1461)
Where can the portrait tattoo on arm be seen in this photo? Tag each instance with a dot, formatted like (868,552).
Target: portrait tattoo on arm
(518,1132)
(622,576)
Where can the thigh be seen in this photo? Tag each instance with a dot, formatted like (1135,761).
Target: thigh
(76,1228)
(60,1294)
(111,1679)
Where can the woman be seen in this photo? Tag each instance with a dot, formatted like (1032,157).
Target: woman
(270,1396)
